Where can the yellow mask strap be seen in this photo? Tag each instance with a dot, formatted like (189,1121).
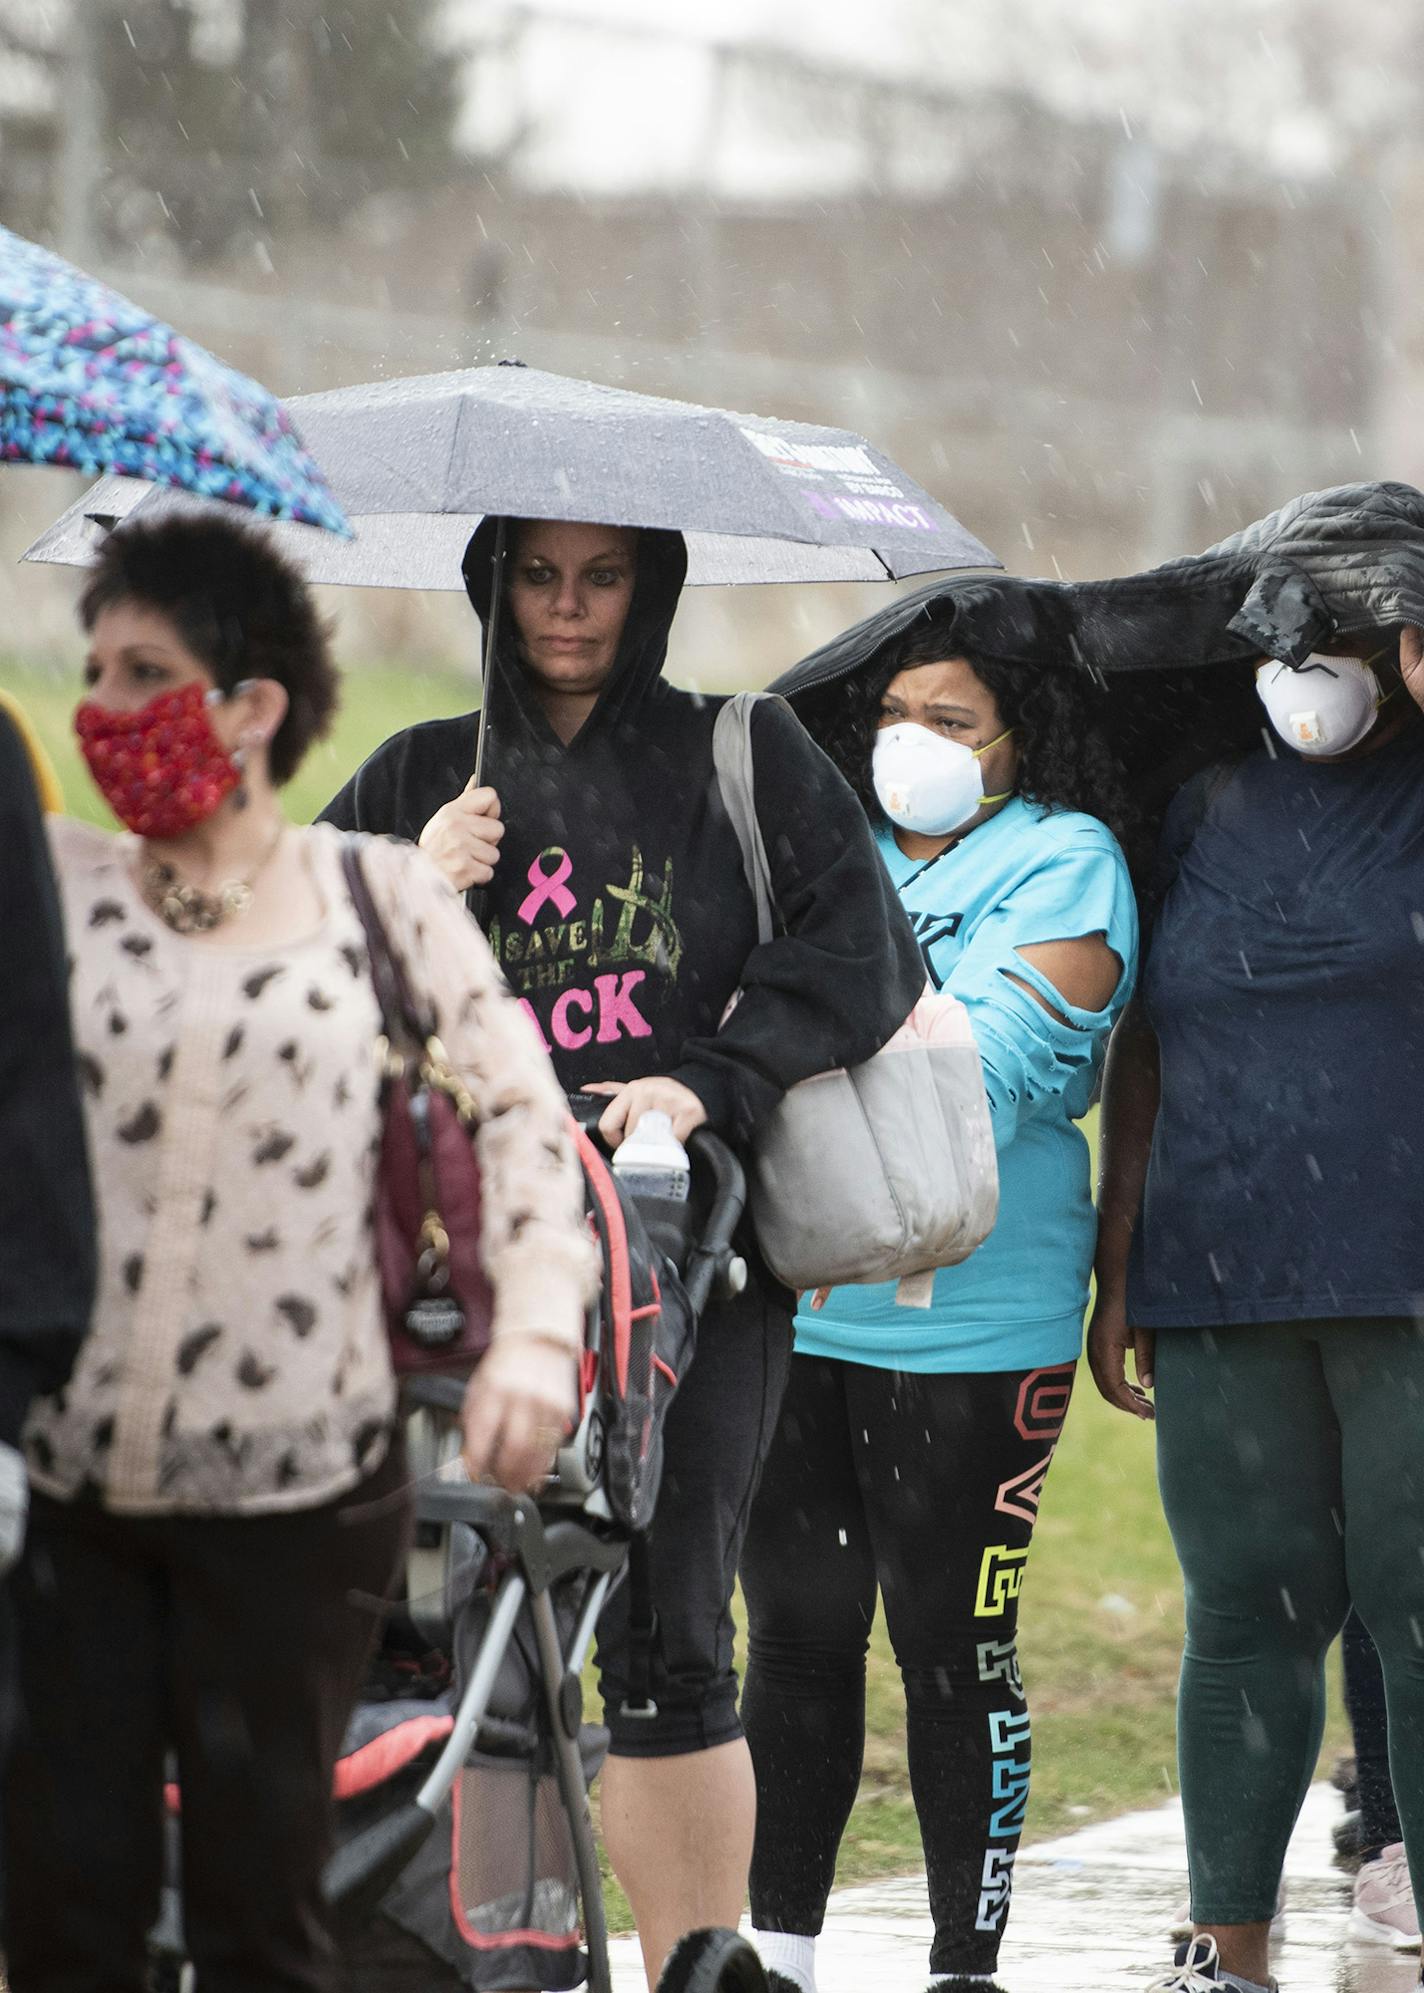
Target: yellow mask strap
(1004,797)
(1383,651)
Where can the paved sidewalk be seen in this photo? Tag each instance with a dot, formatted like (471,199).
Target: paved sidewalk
(1090,1915)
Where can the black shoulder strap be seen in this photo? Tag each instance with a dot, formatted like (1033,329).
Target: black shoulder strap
(1196,796)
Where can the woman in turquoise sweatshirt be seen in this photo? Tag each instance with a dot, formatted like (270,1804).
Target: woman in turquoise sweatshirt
(914,1441)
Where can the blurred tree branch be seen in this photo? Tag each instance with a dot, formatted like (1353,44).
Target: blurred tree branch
(309,107)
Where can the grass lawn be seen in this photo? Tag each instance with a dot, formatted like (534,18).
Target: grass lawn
(1101,1616)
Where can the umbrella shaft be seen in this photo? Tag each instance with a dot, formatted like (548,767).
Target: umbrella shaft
(491,639)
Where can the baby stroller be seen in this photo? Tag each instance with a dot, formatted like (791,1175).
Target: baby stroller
(466,1857)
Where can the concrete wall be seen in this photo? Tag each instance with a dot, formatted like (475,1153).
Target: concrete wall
(1095,364)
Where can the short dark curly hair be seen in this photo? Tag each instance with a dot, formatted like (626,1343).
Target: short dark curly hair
(1065,762)
(240,607)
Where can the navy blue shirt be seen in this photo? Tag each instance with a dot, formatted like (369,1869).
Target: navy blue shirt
(1285,982)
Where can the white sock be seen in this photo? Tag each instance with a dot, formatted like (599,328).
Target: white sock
(792,1956)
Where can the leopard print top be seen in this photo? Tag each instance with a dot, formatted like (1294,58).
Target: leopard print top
(238,1357)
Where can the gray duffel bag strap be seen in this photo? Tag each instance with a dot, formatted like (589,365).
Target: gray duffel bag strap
(736,777)
(899,1153)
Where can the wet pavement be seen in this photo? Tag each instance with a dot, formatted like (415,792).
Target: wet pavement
(1091,1914)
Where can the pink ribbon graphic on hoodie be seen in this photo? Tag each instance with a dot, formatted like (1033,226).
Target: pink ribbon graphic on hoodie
(549,886)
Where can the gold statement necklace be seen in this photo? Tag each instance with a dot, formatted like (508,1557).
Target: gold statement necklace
(190,909)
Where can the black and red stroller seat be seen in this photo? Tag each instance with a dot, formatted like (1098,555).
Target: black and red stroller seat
(467,1857)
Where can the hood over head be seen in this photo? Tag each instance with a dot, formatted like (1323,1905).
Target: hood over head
(642,648)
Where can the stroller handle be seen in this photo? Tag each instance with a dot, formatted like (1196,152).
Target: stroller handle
(713,1260)
(433,1391)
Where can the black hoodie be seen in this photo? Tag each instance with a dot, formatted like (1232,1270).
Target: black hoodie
(619,908)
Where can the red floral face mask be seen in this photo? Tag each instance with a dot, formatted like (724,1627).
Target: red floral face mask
(161,770)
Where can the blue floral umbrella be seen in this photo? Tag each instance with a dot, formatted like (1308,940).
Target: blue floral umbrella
(90,382)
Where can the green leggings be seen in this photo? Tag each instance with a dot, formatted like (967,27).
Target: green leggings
(1291,1463)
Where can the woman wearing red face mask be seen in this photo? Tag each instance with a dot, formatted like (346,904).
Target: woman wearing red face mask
(217,1496)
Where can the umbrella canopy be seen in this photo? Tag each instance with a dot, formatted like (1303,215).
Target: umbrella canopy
(411,550)
(418,462)
(90,382)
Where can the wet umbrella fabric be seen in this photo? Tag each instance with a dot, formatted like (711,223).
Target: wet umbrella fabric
(90,382)
(1175,644)
(424,551)
(759,500)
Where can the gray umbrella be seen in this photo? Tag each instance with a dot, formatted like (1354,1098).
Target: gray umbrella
(411,460)
(416,463)
(417,550)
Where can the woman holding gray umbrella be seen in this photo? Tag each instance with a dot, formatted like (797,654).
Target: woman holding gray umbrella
(614,899)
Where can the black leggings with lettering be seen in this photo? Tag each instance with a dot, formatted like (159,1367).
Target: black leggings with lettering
(925,1488)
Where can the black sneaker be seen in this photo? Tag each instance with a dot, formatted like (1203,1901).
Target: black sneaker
(1196,1969)
(777,1982)
(1346,1777)
(1348,1834)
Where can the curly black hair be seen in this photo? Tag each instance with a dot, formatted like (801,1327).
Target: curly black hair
(1065,762)
(239,606)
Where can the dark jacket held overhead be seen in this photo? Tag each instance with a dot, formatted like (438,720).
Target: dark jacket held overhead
(619,910)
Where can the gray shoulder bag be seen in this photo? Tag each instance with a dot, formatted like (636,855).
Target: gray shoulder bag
(882,1171)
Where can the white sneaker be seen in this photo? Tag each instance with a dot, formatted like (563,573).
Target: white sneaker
(1182,1925)
(1384,1912)
(1196,1969)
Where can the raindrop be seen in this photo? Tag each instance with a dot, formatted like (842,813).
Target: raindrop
(843,1538)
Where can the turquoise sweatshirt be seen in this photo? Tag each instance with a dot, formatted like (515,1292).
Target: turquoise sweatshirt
(1024,876)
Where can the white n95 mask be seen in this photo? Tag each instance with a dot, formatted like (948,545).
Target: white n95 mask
(1325,706)
(928,784)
